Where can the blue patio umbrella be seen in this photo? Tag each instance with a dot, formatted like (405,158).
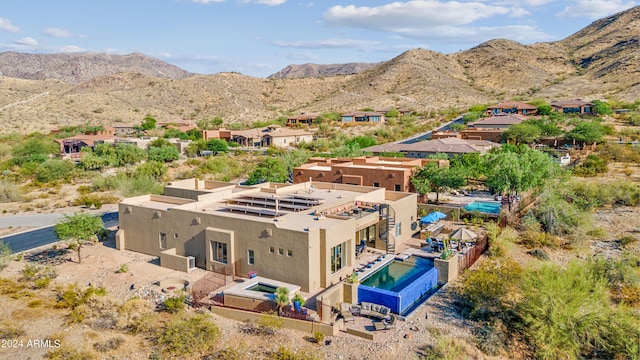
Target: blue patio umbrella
(432,217)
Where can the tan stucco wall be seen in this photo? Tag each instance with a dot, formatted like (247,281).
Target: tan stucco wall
(170,260)
(447,269)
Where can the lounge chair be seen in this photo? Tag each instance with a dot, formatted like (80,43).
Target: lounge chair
(391,323)
(345,312)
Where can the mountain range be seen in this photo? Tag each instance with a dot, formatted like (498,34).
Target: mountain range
(41,92)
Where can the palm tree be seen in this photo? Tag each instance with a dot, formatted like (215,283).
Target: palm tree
(282,297)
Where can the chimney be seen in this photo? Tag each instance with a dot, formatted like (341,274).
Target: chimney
(195,183)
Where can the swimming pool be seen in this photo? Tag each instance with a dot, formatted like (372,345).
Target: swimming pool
(489,207)
(399,285)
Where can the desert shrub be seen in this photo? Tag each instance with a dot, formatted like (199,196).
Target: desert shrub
(190,335)
(139,186)
(500,240)
(54,170)
(566,313)
(67,352)
(9,287)
(9,192)
(34,303)
(591,166)
(318,337)
(5,255)
(598,233)
(285,353)
(532,239)
(94,199)
(71,295)
(109,344)
(123,269)
(619,153)
(539,253)
(446,347)
(174,304)
(489,291)
(9,330)
(152,168)
(627,239)
(42,282)
(136,316)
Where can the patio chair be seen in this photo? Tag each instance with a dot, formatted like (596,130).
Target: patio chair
(345,312)
(391,323)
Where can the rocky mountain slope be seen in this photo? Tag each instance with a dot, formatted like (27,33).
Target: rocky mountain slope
(77,68)
(317,70)
(597,62)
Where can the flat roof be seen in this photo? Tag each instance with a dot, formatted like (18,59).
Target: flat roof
(297,206)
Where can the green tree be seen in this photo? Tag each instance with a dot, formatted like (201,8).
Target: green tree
(195,147)
(164,153)
(128,154)
(457,127)
(393,113)
(217,146)
(362,141)
(544,109)
(439,179)
(270,170)
(471,116)
(148,123)
(471,164)
(602,107)
(175,133)
(151,168)
(54,170)
(194,134)
(78,230)
(586,132)
(208,124)
(522,133)
(35,148)
(547,126)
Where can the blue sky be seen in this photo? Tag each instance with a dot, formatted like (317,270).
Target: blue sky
(260,37)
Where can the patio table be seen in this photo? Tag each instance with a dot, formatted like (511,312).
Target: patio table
(378,325)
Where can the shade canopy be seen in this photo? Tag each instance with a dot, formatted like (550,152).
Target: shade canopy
(463,234)
(432,217)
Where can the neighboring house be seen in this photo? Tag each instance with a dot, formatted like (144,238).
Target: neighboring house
(393,174)
(575,106)
(451,146)
(272,135)
(304,234)
(500,121)
(512,107)
(72,146)
(303,118)
(275,135)
(125,130)
(494,135)
(362,117)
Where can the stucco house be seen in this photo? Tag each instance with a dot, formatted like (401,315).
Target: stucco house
(450,146)
(499,121)
(356,117)
(575,106)
(304,234)
(512,107)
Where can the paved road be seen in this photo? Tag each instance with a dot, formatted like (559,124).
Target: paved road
(427,135)
(43,236)
(35,220)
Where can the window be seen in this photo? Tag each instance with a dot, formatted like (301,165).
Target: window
(397,188)
(398,229)
(175,235)
(163,241)
(289,253)
(375,184)
(281,251)
(219,251)
(337,261)
(251,260)
(272,249)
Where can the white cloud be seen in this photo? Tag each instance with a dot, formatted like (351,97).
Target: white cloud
(413,14)
(328,44)
(67,49)
(28,41)
(207,1)
(518,12)
(595,9)
(266,2)
(299,56)
(56,32)
(5,25)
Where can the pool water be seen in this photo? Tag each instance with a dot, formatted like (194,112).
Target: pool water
(398,274)
(484,206)
(263,288)
(400,285)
